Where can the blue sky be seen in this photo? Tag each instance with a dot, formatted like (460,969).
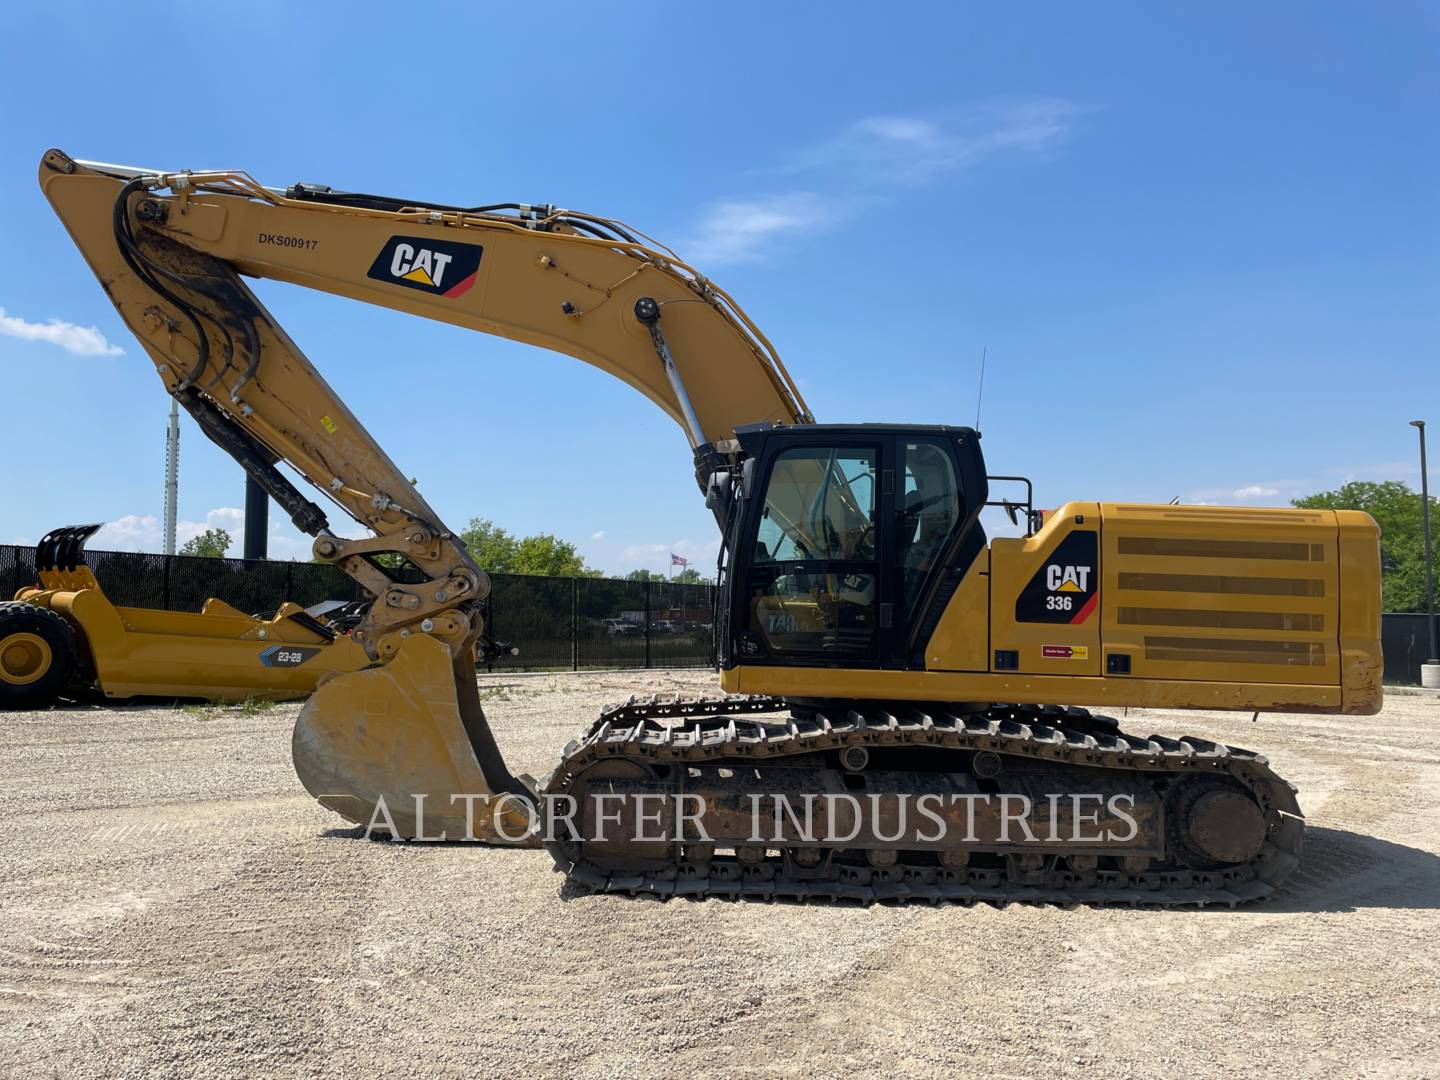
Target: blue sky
(1199,243)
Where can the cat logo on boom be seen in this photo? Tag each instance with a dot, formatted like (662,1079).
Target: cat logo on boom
(442,267)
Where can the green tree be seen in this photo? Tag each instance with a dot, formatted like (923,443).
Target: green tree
(1397,510)
(498,550)
(211,544)
(490,545)
(546,554)
(688,576)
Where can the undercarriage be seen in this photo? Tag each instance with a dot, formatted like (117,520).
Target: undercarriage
(873,801)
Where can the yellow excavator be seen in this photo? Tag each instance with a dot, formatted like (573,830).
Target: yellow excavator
(906,694)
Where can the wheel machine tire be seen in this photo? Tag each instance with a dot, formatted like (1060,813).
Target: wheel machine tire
(38,654)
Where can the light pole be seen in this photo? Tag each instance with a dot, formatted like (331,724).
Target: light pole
(1431,677)
(172,473)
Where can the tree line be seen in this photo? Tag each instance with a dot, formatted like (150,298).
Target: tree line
(496,549)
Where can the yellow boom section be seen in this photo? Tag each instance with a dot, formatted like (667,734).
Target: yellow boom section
(555,288)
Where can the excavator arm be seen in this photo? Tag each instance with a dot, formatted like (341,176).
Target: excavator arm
(170,250)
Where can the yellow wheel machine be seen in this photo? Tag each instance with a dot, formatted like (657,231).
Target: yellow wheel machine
(874,647)
(65,635)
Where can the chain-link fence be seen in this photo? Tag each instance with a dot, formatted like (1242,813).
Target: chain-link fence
(1406,642)
(557,623)
(601,622)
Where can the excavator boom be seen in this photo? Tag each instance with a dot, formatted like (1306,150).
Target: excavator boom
(170,249)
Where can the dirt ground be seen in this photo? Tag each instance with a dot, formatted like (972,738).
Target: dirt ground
(172,903)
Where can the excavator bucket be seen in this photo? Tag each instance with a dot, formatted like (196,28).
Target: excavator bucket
(405,749)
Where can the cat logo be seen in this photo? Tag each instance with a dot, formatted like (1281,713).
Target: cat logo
(431,265)
(1066,587)
(1067,578)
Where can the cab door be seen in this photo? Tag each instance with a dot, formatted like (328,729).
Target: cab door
(932,508)
(811,588)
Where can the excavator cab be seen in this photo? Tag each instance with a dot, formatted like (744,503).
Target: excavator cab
(848,541)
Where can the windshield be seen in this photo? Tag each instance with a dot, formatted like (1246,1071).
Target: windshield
(820,504)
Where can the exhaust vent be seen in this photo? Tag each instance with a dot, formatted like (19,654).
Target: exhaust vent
(1220,583)
(1229,651)
(1198,548)
(1220,620)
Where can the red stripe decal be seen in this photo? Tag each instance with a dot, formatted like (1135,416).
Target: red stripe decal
(1084,612)
(462,287)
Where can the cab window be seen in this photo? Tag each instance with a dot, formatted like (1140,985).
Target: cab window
(929,511)
(813,574)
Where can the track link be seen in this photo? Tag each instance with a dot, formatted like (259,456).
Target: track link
(721,729)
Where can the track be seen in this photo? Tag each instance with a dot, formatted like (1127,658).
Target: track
(719,731)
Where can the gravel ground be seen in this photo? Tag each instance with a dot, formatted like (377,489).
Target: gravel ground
(172,903)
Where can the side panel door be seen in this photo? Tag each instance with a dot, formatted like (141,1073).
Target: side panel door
(1045,596)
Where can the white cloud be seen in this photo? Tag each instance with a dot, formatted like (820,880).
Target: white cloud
(599,534)
(80,340)
(738,230)
(281,544)
(139,532)
(642,553)
(898,129)
(889,151)
(1284,489)
(694,548)
(1264,489)
(872,161)
(1402,469)
(146,532)
(1031,125)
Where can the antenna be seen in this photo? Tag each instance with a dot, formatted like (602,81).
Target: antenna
(980,394)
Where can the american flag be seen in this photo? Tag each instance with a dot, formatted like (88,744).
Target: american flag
(676,560)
